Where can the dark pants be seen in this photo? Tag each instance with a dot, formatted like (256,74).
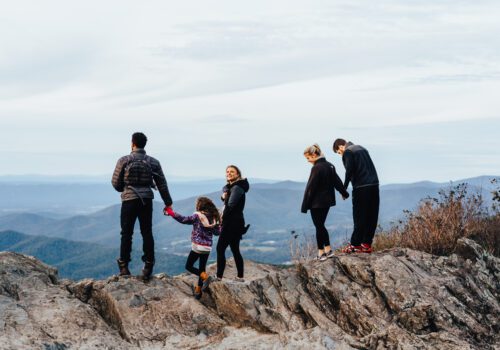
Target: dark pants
(318,216)
(226,240)
(193,256)
(131,210)
(365,206)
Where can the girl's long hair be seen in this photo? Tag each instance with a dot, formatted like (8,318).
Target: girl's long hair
(207,207)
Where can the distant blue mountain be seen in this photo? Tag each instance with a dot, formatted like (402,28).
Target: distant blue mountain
(59,197)
(273,210)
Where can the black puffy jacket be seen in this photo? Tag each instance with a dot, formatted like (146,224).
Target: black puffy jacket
(233,221)
(130,192)
(320,189)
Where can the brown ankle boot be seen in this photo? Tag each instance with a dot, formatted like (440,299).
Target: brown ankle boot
(123,266)
(147,271)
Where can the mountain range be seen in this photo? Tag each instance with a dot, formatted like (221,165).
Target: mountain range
(77,260)
(273,210)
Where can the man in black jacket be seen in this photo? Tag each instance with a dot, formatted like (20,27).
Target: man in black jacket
(135,175)
(360,170)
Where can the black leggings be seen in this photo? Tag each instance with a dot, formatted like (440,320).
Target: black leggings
(319,217)
(222,244)
(193,256)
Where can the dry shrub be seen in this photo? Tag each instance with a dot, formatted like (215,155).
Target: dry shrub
(488,234)
(438,223)
(302,247)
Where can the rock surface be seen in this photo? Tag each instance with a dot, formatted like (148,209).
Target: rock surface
(396,299)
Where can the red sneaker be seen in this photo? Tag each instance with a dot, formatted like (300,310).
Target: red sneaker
(366,248)
(348,249)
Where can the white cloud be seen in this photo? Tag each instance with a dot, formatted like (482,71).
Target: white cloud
(261,78)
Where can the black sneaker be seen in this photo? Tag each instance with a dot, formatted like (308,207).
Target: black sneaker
(330,254)
(321,257)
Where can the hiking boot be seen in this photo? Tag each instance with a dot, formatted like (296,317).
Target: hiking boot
(330,254)
(321,257)
(206,280)
(147,270)
(366,248)
(123,266)
(349,249)
(197,292)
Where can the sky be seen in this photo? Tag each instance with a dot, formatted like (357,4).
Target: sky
(251,83)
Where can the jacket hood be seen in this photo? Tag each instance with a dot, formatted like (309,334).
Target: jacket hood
(204,220)
(243,183)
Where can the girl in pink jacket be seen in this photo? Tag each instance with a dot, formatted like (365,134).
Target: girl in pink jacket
(206,223)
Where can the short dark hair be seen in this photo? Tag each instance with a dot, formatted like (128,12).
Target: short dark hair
(337,143)
(139,139)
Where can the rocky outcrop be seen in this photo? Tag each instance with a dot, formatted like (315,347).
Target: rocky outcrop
(396,299)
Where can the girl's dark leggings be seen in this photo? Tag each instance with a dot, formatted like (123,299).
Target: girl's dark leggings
(233,242)
(193,256)
(319,217)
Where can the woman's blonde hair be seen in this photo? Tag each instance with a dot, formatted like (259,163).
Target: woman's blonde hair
(313,150)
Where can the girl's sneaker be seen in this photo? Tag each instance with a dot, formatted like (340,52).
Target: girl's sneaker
(239,279)
(366,248)
(349,249)
(197,292)
(206,280)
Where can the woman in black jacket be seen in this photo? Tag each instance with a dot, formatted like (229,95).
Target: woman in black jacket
(319,196)
(233,221)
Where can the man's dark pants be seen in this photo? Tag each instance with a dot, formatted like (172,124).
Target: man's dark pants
(132,210)
(365,207)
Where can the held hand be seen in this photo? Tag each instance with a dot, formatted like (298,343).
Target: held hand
(346,196)
(168,211)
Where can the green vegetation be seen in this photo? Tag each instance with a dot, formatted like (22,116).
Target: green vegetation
(77,260)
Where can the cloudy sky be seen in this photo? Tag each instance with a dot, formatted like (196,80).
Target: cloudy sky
(251,83)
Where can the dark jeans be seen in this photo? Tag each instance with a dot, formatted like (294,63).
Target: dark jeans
(365,207)
(193,256)
(226,240)
(318,216)
(131,210)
